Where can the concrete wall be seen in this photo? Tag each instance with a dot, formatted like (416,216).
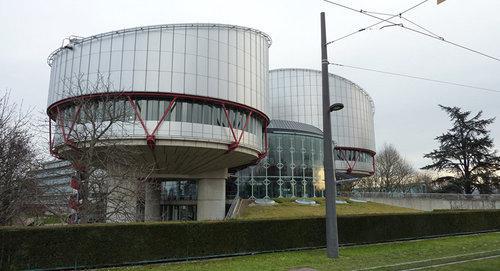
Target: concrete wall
(433,203)
(122,199)
(152,209)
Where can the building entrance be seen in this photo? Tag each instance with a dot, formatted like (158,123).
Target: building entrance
(178,199)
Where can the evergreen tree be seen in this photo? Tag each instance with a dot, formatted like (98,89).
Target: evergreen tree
(466,151)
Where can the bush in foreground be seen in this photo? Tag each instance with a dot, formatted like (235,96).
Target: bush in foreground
(112,244)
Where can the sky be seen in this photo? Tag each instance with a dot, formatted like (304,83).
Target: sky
(407,113)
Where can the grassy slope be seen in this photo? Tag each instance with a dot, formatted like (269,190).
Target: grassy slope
(289,209)
(364,256)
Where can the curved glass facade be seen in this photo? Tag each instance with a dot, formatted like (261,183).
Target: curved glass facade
(182,112)
(292,168)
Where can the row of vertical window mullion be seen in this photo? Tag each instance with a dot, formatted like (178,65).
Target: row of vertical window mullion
(65,82)
(199,113)
(181,111)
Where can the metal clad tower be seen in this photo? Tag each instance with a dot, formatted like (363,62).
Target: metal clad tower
(295,95)
(294,165)
(198,93)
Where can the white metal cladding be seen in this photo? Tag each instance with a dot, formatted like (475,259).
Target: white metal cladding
(219,61)
(295,94)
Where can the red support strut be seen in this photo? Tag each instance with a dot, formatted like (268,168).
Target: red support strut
(357,155)
(151,137)
(54,111)
(67,140)
(236,140)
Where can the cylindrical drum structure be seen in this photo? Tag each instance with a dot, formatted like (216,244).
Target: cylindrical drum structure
(292,168)
(197,90)
(191,99)
(295,95)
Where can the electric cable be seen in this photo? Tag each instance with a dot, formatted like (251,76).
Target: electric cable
(450,42)
(416,77)
(421,27)
(407,28)
(406,19)
(375,24)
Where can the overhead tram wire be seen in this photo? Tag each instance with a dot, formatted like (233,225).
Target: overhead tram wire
(450,42)
(370,26)
(404,27)
(406,19)
(423,28)
(416,77)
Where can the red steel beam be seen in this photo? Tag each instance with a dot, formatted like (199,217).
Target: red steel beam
(138,114)
(355,149)
(50,134)
(351,167)
(165,114)
(245,126)
(226,112)
(144,94)
(75,117)
(151,137)
(61,123)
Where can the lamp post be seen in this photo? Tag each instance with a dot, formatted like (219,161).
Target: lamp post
(332,242)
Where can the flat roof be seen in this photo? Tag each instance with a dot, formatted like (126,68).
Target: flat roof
(293,126)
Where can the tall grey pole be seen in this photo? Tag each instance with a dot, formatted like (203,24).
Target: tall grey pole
(332,242)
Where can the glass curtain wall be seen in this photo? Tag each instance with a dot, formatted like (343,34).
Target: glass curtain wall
(153,109)
(293,168)
(178,199)
(188,111)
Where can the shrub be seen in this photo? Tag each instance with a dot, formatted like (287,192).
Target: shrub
(113,244)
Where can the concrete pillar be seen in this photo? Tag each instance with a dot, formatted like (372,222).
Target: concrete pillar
(212,196)
(152,211)
(122,200)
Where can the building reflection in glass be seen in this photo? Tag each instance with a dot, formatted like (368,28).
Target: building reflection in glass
(178,199)
(295,156)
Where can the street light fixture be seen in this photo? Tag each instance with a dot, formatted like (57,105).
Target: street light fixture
(336,107)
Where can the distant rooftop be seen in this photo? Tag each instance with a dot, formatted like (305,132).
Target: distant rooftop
(293,126)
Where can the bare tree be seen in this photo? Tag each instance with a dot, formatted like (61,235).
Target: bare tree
(425,181)
(17,160)
(89,128)
(367,184)
(392,172)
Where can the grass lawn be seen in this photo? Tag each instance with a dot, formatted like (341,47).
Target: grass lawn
(287,208)
(474,252)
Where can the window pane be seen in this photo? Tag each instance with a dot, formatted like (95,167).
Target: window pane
(178,111)
(142,108)
(250,128)
(232,117)
(163,106)
(119,110)
(207,114)
(187,112)
(224,118)
(109,111)
(197,113)
(216,116)
(152,110)
(128,113)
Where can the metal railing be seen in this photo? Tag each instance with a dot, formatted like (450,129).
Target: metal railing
(233,209)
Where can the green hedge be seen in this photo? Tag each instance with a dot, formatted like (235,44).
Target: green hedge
(101,245)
